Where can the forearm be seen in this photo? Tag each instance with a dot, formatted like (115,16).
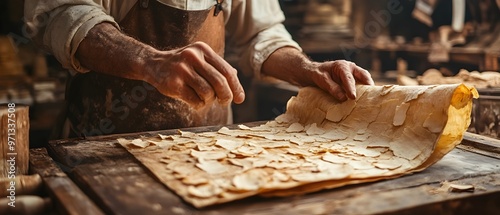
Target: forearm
(339,77)
(289,64)
(107,50)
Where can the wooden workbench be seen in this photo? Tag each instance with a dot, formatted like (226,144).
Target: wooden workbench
(96,175)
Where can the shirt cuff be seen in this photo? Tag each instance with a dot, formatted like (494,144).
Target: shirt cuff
(267,42)
(67,30)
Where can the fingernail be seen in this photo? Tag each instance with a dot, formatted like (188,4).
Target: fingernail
(352,95)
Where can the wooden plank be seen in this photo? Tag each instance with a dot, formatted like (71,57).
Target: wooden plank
(67,197)
(121,185)
(116,180)
(362,199)
(481,144)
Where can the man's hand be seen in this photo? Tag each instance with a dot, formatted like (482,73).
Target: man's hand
(197,75)
(194,74)
(339,77)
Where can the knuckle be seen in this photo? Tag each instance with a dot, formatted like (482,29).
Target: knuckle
(173,83)
(179,67)
(341,62)
(225,98)
(210,93)
(218,82)
(231,75)
(204,89)
(233,72)
(343,66)
(200,45)
(188,53)
(206,95)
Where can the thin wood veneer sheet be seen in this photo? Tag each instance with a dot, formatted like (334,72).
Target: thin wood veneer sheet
(319,143)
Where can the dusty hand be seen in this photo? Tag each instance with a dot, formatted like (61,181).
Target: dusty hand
(197,75)
(339,78)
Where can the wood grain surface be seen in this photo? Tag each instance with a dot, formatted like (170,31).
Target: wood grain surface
(119,184)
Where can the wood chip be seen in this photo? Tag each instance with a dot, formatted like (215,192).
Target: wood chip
(212,167)
(285,118)
(447,186)
(140,143)
(295,127)
(314,130)
(400,115)
(456,188)
(195,180)
(250,180)
(247,150)
(205,190)
(243,127)
(335,135)
(229,144)
(209,155)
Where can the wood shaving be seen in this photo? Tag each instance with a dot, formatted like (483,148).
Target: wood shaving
(212,167)
(247,150)
(194,180)
(243,127)
(250,180)
(314,130)
(229,144)
(447,186)
(166,137)
(205,190)
(209,155)
(295,127)
(140,143)
(400,115)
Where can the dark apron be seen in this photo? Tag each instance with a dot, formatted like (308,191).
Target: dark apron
(101,104)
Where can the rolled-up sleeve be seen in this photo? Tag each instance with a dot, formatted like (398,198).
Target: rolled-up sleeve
(60,25)
(254,31)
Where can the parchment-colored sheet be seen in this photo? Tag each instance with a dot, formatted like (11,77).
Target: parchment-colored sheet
(319,143)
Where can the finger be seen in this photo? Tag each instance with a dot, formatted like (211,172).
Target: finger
(343,71)
(229,73)
(363,76)
(200,86)
(190,96)
(326,83)
(217,81)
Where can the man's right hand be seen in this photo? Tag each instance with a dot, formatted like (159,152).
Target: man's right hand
(196,75)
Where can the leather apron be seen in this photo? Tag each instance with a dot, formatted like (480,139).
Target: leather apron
(101,104)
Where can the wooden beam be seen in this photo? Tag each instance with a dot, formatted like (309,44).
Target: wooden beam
(67,197)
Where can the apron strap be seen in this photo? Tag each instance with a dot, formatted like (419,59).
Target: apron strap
(218,7)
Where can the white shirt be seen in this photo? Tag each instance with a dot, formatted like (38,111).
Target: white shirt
(254,28)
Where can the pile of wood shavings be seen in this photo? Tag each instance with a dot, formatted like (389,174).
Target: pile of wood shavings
(319,143)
